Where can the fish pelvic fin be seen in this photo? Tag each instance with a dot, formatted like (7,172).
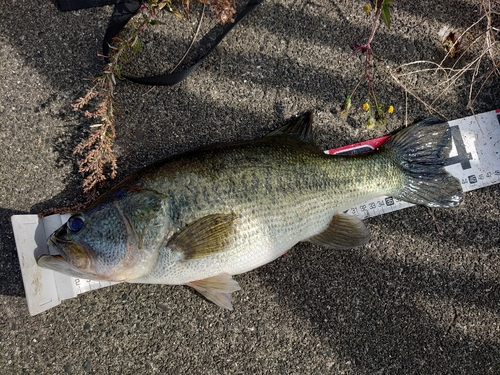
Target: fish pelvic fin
(299,127)
(217,289)
(421,150)
(344,232)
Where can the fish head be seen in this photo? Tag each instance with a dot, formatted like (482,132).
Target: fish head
(115,240)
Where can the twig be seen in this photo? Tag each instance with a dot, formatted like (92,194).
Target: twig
(192,41)
(426,105)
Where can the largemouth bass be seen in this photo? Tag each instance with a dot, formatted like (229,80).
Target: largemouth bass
(202,216)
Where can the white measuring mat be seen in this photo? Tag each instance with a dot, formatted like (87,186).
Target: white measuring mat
(474,160)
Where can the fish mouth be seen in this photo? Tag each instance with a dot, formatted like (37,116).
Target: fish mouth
(66,257)
(59,264)
(54,244)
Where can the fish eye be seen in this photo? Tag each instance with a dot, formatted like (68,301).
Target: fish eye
(75,223)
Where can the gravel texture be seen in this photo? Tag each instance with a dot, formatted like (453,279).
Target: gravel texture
(412,301)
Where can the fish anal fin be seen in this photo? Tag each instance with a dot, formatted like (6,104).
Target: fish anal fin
(217,289)
(208,235)
(344,232)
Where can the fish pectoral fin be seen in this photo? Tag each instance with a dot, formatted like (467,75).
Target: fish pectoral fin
(217,289)
(208,235)
(344,232)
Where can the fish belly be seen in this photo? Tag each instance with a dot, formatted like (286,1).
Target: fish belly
(260,239)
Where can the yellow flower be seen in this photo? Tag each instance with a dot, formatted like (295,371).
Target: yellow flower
(366,107)
(367,9)
(390,109)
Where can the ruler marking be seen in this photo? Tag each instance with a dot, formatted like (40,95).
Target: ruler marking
(45,302)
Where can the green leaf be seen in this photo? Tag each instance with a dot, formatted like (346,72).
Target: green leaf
(177,14)
(137,46)
(385,15)
(346,106)
(118,71)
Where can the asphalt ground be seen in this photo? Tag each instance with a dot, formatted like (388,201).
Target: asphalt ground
(422,297)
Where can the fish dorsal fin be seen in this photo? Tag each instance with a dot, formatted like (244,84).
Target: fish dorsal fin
(344,232)
(299,127)
(208,235)
(217,289)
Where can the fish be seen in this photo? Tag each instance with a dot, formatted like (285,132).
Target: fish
(201,217)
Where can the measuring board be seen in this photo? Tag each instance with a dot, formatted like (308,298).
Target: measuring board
(474,160)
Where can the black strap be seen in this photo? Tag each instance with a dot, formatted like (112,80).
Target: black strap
(125,11)
(122,13)
(66,5)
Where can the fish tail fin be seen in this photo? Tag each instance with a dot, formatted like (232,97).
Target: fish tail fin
(421,150)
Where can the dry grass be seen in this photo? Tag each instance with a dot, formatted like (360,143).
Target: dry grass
(472,54)
(98,162)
